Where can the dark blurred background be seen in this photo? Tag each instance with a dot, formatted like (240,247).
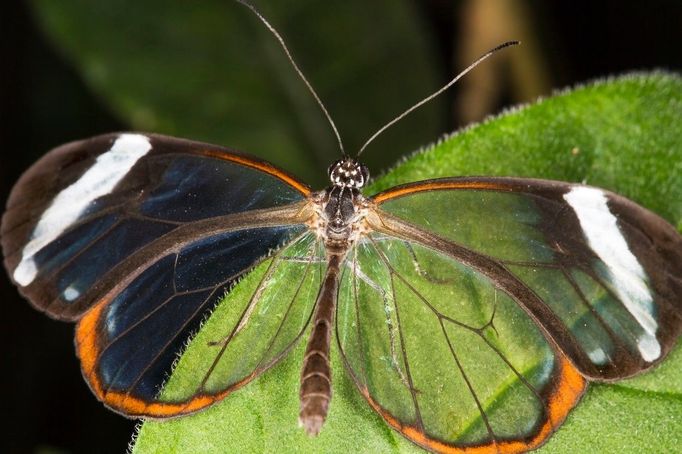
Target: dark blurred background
(70,69)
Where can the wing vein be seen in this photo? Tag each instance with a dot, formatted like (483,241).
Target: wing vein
(484,416)
(80,252)
(163,349)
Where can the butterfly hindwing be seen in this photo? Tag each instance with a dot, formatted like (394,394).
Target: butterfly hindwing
(130,343)
(444,356)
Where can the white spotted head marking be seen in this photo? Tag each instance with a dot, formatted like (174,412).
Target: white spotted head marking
(348,173)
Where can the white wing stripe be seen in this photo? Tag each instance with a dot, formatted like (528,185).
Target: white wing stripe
(109,168)
(601,230)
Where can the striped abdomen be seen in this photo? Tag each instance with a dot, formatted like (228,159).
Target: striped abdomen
(316,383)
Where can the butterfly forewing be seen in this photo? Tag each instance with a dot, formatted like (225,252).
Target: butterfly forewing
(599,273)
(77,216)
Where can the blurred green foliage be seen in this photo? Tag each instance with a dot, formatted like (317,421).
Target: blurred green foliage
(210,71)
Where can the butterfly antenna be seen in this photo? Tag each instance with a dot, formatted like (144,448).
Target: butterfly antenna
(441,90)
(298,70)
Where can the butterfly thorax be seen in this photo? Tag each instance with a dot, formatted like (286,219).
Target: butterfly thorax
(341,207)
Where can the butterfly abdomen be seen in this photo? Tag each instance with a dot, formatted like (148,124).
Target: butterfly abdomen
(316,373)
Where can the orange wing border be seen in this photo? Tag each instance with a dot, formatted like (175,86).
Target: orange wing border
(567,389)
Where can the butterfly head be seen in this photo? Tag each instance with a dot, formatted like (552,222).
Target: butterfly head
(348,173)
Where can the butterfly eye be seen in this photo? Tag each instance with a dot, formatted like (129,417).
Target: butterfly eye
(364,171)
(333,168)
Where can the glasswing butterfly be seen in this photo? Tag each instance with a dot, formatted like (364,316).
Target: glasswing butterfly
(139,237)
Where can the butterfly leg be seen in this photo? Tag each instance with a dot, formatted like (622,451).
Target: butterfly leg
(389,321)
(420,270)
(303,259)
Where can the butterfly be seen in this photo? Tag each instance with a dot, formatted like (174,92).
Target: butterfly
(142,239)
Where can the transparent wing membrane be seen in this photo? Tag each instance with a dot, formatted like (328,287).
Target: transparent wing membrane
(250,330)
(472,315)
(434,345)
(256,331)
(601,266)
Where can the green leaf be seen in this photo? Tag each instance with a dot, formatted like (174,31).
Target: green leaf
(210,70)
(621,134)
